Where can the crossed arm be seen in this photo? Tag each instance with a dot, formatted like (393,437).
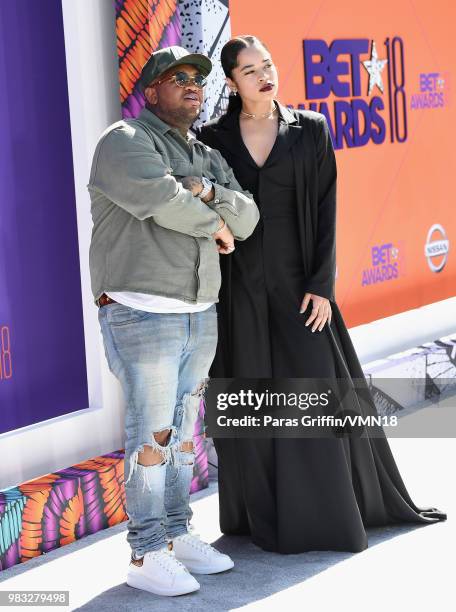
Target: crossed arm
(224,236)
(131,173)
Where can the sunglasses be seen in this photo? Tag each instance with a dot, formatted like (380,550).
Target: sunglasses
(182,79)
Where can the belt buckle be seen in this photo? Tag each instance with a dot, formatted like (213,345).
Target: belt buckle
(106,300)
(98,302)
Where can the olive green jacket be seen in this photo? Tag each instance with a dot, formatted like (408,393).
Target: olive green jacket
(150,234)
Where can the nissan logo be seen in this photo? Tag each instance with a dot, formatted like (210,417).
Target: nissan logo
(436,248)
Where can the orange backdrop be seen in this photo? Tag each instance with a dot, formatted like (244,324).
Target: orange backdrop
(396,213)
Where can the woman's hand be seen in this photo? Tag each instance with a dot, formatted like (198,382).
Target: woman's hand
(321,311)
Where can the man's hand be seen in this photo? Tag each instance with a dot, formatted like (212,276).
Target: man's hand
(225,240)
(209,197)
(194,184)
(321,311)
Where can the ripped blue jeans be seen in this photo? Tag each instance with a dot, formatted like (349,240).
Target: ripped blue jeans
(162,362)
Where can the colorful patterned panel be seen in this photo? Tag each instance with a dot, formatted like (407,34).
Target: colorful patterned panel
(142,26)
(49,512)
(200,472)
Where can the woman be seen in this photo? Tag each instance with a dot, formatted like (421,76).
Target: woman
(278,318)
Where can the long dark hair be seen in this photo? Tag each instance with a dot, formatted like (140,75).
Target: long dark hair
(229,56)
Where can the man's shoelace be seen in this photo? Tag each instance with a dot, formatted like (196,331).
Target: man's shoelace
(168,561)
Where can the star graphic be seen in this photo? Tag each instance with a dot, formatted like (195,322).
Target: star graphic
(374,67)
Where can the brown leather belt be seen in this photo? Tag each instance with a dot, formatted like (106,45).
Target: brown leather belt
(105,299)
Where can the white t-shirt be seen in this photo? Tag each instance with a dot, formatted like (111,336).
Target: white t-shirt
(155,303)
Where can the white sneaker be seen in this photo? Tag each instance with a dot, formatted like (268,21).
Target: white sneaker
(200,557)
(161,573)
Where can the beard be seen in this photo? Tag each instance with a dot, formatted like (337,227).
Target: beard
(183,117)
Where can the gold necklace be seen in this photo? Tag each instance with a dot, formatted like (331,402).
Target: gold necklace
(265,116)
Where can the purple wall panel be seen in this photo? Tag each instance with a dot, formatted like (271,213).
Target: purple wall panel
(42,352)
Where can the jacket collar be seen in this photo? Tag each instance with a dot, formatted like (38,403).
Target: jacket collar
(161,126)
(286,114)
(153,120)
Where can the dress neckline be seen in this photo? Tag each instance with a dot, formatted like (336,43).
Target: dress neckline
(274,146)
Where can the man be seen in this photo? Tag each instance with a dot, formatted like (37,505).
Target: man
(163,206)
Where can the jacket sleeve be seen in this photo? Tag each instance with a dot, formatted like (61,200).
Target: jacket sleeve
(322,280)
(235,205)
(131,173)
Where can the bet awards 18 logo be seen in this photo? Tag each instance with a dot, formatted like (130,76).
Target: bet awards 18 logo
(359,115)
(386,264)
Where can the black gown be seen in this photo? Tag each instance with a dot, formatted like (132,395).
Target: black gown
(293,495)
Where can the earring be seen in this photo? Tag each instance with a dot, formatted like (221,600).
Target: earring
(234,92)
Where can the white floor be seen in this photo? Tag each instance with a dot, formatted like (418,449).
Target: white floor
(404,568)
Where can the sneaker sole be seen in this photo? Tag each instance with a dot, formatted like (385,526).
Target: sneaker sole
(204,569)
(139,582)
